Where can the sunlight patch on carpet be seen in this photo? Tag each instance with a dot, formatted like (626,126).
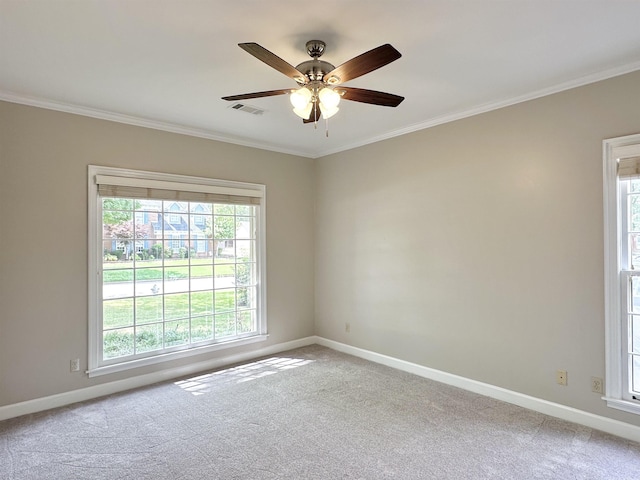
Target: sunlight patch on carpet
(243,373)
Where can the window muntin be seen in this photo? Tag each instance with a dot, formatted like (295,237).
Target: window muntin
(164,289)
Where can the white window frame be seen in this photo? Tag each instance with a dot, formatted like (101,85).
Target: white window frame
(617,386)
(179,183)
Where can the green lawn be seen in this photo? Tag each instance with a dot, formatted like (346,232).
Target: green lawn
(213,315)
(174,269)
(188,317)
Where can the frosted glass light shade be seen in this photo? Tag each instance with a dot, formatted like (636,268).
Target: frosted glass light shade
(329,97)
(300,98)
(304,112)
(328,112)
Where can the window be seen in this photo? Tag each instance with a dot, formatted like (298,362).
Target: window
(622,271)
(171,294)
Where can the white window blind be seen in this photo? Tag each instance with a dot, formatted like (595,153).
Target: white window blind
(629,168)
(127,187)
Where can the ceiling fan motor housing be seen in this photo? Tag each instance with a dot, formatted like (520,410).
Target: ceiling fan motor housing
(315,69)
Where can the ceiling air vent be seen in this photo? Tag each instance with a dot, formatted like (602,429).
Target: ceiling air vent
(247,108)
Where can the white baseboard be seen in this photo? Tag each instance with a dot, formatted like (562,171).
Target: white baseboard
(614,427)
(574,415)
(73,396)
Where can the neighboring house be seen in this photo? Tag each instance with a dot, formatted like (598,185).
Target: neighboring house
(180,228)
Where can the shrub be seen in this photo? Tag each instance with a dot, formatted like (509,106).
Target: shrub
(156,250)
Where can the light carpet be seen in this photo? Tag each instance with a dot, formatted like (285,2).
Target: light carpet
(310,413)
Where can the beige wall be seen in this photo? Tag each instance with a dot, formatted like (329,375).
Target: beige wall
(476,247)
(43,236)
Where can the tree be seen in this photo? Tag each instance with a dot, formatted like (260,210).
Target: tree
(117,210)
(223,228)
(125,234)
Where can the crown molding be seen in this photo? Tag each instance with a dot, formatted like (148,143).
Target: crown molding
(141,122)
(488,107)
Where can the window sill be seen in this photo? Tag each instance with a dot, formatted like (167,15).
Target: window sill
(624,405)
(142,362)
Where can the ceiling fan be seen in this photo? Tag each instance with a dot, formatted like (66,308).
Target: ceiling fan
(320,83)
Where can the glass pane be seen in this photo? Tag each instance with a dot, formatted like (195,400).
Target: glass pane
(118,343)
(176,256)
(244,250)
(176,279)
(224,275)
(244,228)
(635,334)
(247,297)
(245,210)
(225,324)
(171,206)
(117,283)
(148,281)
(222,209)
(176,306)
(201,328)
(635,367)
(156,252)
(149,205)
(148,309)
(117,313)
(201,277)
(143,229)
(149,337)
(634,250)
(224,227)
(201,303)
(200,221)
(176,333)
(111,203)
(199,208)
(635,294)
(634,185)
(245,274)
(225,300)
(634,213)
(246,321)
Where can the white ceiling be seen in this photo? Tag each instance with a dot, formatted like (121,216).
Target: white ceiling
(166,63)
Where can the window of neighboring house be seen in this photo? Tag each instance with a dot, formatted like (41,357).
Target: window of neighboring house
(622,272)
(152,307)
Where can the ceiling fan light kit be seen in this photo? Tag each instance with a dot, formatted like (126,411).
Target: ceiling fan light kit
(317,93)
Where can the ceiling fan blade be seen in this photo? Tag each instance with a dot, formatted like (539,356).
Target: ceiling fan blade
(246,96)
(314,116)
(370,96)
(365,63)
(273,61)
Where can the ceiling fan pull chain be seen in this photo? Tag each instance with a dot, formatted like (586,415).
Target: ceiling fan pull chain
(326,127)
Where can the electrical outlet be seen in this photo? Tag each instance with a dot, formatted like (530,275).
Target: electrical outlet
(74,365)
(561,377)
(347,327)
(597,385)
